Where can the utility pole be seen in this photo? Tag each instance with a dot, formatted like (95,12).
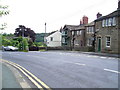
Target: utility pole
(45,37)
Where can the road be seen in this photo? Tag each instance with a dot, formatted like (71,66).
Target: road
(68,70)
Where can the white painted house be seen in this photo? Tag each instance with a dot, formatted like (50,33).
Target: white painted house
(54,39)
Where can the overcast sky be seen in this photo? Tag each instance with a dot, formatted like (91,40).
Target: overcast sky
(56,13)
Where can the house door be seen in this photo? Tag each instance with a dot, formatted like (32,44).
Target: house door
(99,44)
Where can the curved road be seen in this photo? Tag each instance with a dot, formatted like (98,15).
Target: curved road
(68,70)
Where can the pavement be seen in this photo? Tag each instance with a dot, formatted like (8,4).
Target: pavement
(12,78)
(8,78)
(93,53)
(99,54)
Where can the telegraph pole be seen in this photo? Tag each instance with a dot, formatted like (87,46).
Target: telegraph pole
(45,37)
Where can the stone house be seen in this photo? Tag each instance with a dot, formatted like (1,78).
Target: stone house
(66,36)
(90,36)
(78,37)
(73,36)
(107,31)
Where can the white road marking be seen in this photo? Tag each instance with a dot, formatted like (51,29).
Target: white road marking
(103,57)
(109,70)
(111,58)
(89,56)
(80,64)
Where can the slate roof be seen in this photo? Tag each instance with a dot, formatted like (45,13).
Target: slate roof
(90,24)
(74,27)
(113,14)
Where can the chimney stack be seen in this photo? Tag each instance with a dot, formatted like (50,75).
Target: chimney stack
(99,15)
(81,22)
(85,20)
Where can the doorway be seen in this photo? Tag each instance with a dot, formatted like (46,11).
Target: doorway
(99,44)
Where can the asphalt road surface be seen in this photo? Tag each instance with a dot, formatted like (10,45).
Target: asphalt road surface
(68,70)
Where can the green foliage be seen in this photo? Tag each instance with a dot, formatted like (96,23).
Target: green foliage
(25,44)
(39,44)
(4,10)
(21,43)
(5,41)
(40,37)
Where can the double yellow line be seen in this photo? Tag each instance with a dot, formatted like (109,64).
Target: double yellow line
(31,77)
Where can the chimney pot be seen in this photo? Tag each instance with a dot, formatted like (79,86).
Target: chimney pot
(99,15)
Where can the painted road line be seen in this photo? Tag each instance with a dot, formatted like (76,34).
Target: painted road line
(38,80)
(28,55)
(111,58)
(103,57)
(41,82)
(79,64)
(109,70)
(89,56)
(30,78)
(95,56)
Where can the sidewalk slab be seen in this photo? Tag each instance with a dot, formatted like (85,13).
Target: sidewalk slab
(97,53)
(8,78)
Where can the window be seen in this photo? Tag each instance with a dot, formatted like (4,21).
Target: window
(110,22)
(51,38)
(103,23)
(63,32)
(72,32)
(63,40)
(92,29)
(76,42)
(87,29)
(78,32)
(107,41)
(106,23)
(90,41)
(75,32)
(114,21)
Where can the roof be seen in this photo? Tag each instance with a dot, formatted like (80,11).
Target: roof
(113,14)
(52,33)
(74,27)
(90,24)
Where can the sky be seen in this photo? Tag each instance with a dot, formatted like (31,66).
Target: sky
(56,13)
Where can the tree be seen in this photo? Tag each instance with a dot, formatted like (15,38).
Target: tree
(3,11)
(5,41)
(25,44)
(24,32)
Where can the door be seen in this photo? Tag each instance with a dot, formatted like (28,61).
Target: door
(99,44)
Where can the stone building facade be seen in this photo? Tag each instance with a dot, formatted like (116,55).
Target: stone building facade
(107,38)
(73,36)
(90,36)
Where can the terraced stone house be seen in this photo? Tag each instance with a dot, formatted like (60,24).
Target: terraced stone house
(73,36)
(107,30)
(90,36)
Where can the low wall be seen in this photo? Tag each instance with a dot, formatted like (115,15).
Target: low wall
(86,49)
